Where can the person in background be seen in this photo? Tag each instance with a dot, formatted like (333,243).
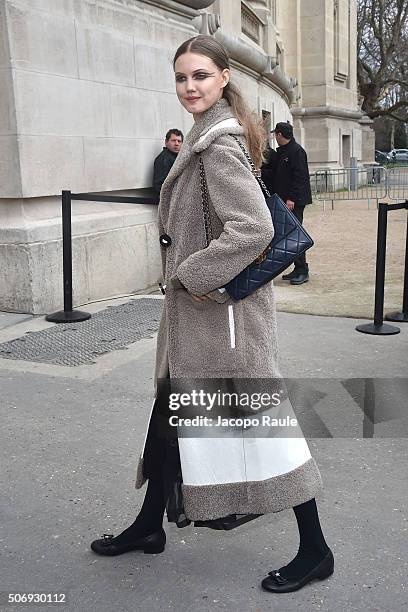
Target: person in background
(165,160)
(291,182)
(268,168)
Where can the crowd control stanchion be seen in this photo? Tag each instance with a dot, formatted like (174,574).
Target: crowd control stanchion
(378,327)
(68,315)
(402,316)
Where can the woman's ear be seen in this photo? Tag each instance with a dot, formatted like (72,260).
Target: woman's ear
(226,76)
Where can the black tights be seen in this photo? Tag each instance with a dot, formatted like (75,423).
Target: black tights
(150,517)
(312,546)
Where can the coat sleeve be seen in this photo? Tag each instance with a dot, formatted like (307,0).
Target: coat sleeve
(160,171)
(300,176)
(239,203)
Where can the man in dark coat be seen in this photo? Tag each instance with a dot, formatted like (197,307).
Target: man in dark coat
(291,182)
(165,160)
(268,168)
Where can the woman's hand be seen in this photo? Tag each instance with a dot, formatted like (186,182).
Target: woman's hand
(217,296)
(177,284)
(213,296)
(200,298)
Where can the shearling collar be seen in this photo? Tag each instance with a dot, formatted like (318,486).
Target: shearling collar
(200,136)
(226,126)
(218,112)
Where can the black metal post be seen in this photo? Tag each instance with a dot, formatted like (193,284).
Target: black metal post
(402,316)
(378,328)
(67,249)
(68,315)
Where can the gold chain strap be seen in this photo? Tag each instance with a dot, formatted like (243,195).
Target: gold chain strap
(206,207)
(257,174)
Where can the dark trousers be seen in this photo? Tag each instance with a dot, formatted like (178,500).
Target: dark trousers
(301,267)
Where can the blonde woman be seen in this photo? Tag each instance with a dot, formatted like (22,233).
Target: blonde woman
(205,334)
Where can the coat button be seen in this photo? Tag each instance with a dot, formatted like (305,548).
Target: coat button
(165,240)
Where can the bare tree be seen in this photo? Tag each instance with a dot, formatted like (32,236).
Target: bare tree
(382,46)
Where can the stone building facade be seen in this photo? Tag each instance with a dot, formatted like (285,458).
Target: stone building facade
(87,94)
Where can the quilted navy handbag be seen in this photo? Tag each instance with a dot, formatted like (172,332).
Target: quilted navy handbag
(289,241)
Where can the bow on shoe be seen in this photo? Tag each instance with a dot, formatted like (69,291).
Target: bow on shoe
(107,537)
(276,576)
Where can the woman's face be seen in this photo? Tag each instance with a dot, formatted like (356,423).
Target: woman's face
(199,82)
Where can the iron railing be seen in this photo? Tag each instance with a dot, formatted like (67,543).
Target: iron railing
(366,183)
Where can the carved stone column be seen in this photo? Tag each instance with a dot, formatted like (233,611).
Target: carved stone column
(196,4)
(207,23)
(185,8)
(258,3)
(260,7)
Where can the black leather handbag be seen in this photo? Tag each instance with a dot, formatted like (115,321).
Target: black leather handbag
(227,522)
(289,241)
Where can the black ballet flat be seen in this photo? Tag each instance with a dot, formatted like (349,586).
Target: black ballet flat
(276,583)
(150,544)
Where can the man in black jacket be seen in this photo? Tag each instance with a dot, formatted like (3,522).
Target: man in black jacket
(268,168)
(165,160)
(291,182)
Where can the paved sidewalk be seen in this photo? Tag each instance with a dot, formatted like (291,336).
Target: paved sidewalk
(69,445)
(9,319)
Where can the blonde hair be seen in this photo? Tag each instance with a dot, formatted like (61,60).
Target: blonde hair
(254,127)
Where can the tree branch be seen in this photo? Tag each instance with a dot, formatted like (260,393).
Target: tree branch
(380,112)
(382,55)
(394,82)
(367,68)
(401,119)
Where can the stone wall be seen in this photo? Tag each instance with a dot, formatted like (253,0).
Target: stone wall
(87,94)
(92,89)
(86,98)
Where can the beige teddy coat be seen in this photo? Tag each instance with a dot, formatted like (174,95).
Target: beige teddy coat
(233,339)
